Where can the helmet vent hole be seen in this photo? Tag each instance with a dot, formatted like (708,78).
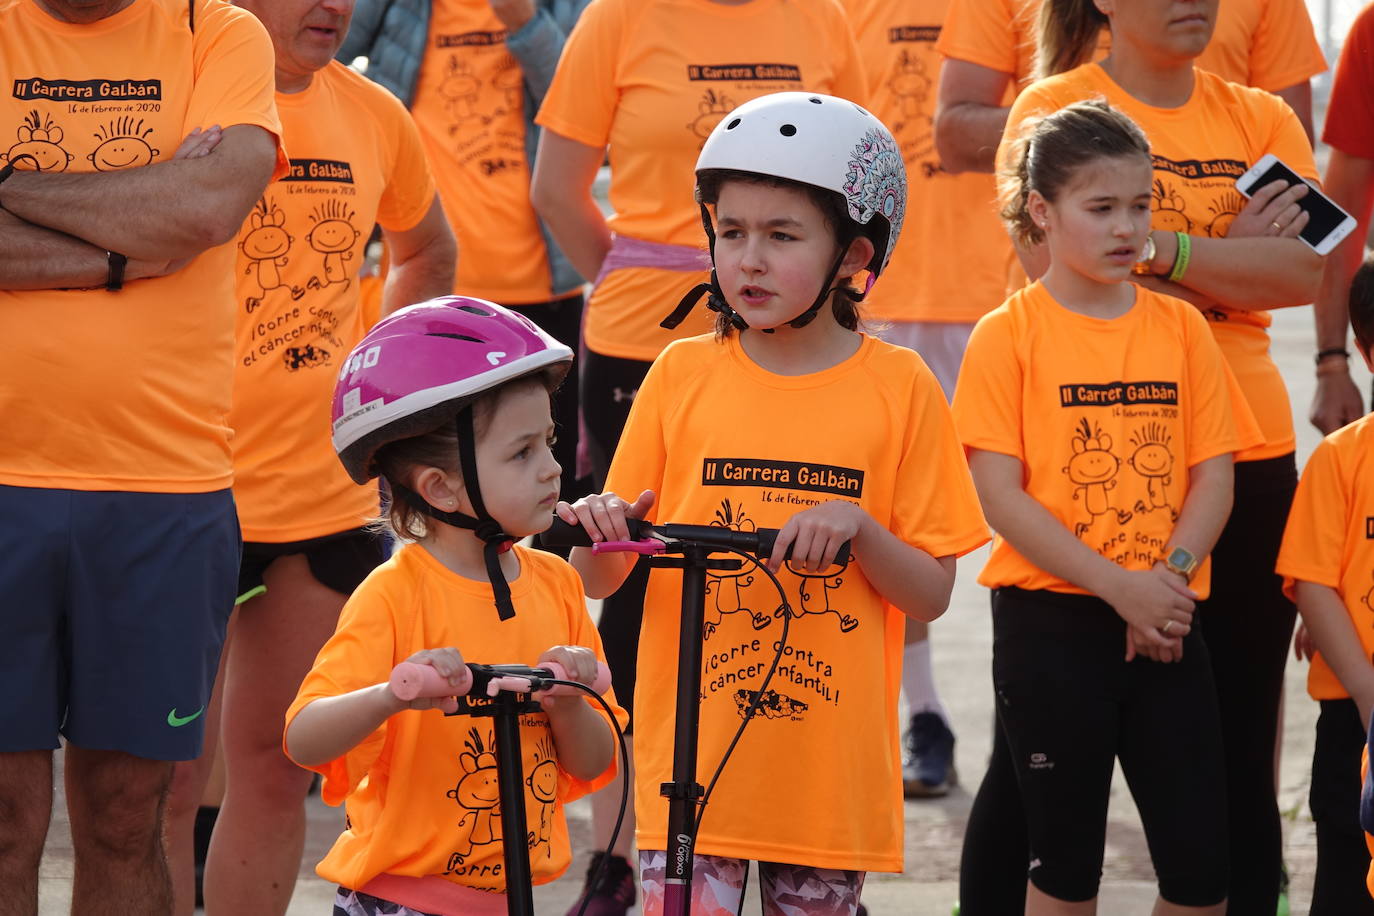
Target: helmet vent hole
(475,310)
(454,336)
(733,124)
(814,101)
(788,130)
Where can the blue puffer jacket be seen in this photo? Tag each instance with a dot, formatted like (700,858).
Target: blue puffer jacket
(392,35)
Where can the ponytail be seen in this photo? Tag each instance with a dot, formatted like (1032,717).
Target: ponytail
(1067,35)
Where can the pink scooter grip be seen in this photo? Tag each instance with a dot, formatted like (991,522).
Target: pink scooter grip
(410,680)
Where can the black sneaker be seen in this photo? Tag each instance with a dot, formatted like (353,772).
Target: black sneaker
(928,762)
(614,894)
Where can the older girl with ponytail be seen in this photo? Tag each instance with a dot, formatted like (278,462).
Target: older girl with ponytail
(1234,261)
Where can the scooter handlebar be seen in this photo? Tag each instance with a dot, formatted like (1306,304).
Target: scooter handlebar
(411,680)
(758,542)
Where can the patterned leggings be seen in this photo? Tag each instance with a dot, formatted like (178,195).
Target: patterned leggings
(787,890)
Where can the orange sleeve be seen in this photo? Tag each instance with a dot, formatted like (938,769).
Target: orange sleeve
(987,399)
(582,99)
(1314,539)
(1285,51)
(1350,114)
(409,191)
(235,76)
(358,655)
(1289,141)
(1213,395)
(934,504)
(641,453)
(980,32)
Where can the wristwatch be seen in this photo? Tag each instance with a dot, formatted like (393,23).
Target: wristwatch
(1181,560)
(1147,256)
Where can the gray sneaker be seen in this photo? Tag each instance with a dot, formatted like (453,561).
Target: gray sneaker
(928,762)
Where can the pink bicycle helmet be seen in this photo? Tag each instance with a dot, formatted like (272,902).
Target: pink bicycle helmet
(423,367)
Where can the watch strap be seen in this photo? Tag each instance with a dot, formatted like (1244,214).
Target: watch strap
(114,280)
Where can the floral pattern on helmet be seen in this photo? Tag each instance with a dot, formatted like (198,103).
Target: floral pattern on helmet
(876,183)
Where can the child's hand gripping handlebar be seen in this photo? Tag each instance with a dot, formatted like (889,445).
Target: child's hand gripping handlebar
(655,538)
(411,680)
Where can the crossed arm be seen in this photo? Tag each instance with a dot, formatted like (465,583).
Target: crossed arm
(57,228)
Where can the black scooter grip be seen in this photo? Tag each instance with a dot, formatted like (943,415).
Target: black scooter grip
(758,542)
(562,534)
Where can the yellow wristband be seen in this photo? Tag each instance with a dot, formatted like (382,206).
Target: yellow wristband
(1185,250)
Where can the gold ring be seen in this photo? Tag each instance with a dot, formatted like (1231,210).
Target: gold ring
(1166,627)
(1277,227)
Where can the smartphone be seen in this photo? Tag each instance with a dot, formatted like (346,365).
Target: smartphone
(1327,224)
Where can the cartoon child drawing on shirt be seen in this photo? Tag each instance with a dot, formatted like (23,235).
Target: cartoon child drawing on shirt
(459,89)
(727,589)
(123,145)
(1168,209)
(38,147)
(1153,460)
(478,794)
(910,84)
(265,245)
(1092,470)
(333,236)
(543,785)
(710,110)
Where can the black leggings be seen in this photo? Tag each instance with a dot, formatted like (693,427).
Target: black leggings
(1247,625)
(1070,706)
(609,385)
(1342,857)
(562,320)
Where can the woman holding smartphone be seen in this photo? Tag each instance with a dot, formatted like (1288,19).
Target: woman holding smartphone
(1234,260)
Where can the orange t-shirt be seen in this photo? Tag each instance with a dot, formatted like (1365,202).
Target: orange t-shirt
(133,393)
(1350,111)
(420,790)
(650,79)
(1106,436)
(356,160)
(470,106)
(1269,44)
(1199,151)
(952,259)
(700,436)
(1330,537)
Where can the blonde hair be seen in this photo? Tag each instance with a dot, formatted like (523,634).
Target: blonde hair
(1050,151)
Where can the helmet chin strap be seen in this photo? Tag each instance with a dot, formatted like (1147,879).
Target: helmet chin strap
(716,300)
(495,541)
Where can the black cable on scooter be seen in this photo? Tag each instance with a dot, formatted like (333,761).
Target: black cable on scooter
(758,695)
(624,782)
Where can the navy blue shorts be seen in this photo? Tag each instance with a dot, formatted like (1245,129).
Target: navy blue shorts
(112,615)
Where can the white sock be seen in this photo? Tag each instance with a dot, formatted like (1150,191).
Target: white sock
(918,680)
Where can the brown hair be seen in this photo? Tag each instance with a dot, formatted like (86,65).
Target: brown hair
(1361,305)
(834,211)
(1066,35)
(399,460)
(1051,150)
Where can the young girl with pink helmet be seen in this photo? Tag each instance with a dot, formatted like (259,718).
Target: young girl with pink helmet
(448,401)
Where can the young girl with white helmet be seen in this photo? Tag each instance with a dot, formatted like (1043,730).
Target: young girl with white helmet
(789,417)
(448,401)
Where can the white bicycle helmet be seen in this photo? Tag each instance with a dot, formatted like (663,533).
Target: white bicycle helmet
(819,140)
